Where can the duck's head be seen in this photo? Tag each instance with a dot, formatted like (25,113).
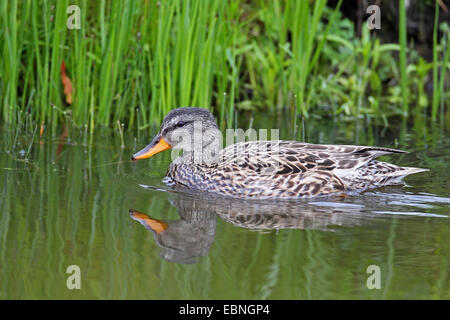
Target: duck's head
(181,129)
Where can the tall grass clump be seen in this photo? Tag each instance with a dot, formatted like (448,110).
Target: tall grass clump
(133,61)
(130,60)
(288,53)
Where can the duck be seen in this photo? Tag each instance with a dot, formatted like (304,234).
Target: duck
(277,169)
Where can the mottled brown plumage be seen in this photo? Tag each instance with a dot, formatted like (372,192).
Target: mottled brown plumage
(270,169)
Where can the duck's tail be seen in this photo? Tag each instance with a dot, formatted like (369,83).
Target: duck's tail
(398,175)
(377,174)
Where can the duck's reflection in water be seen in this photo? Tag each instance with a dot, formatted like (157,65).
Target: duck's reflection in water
(190,237)
(183,240)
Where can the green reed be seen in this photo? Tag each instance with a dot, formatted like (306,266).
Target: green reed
(445,64)
(438,81)
(403,49)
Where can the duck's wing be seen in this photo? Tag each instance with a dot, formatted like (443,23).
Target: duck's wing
(273,169)
(289,157)
(290,168)
(340,159)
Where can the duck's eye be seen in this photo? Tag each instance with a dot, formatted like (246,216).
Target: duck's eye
(180,124)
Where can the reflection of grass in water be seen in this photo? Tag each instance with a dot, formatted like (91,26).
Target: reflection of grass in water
(75,211)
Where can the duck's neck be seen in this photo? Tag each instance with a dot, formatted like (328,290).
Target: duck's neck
(205,153)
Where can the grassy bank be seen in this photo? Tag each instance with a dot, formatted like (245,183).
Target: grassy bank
(133,61)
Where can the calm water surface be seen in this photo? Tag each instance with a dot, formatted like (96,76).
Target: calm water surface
(65,203)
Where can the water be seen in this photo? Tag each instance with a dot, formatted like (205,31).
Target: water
(65,203)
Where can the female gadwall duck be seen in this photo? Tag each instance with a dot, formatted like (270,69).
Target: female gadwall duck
(266,169)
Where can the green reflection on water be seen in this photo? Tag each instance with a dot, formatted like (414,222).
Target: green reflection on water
(69,204)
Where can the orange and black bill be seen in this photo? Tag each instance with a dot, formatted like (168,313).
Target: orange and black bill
(155,225)
(157,145)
